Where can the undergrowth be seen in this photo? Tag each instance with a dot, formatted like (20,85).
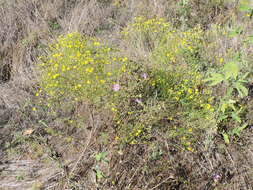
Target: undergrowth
(135,112)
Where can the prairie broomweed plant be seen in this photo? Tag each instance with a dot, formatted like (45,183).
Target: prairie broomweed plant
(80,68)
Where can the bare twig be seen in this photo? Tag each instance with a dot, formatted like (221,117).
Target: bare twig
(92,132)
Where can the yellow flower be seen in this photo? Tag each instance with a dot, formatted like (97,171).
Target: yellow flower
(70,35)
(55,76)
(78,54)
(102,81)
(208,106)
(133,142)
(190,149)
(124,59)
(89,70)
(85,62)
(34,109)
(189,90)
(138,132)
(96,43)
(123,69)
(114,109)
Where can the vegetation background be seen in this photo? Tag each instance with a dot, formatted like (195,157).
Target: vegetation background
(126,94)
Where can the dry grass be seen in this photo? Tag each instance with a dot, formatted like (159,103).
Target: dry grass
(50,160)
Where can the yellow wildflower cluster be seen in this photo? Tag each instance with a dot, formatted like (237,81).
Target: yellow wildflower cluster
(155,25)
(181,85)
(144,30)
(179,47)
(170,45)
(79,68)
(136,134)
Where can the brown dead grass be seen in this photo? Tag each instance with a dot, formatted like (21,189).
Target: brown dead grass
(25,27)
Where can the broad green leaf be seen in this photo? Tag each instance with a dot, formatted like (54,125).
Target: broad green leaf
(215,79)
(231,69)
(242,90)
(226,138)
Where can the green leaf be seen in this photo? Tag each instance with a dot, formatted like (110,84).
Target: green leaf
(100,156)
(227,104)
(99,174)
(236,32)
(233,34)
(223,107)
(245,75)
(222,117)
(243,81)
(245,8)
(236,117)
(242,90)
(237,131)
(231,69)
(250,39)
(226,138)
(215,79)
(231,104)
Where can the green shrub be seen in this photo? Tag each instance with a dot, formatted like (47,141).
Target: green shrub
(179,47)
(145,32)
(79,68)
(166,44)
(158,100)
(231,109)
(172,97)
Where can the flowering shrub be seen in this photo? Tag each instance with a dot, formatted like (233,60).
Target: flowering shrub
(168,96)
(156,99)
(80,68)
(179,47)
(182,86)
(146,33)
(167,44)
(188,102)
